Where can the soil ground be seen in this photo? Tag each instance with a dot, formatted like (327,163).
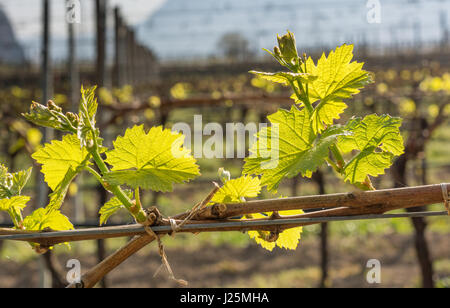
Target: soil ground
(252,266)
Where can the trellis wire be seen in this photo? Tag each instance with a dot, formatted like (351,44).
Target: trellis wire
(204,227)
(87,224)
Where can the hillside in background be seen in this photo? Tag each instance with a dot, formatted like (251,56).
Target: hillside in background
(195,28)
(10,50)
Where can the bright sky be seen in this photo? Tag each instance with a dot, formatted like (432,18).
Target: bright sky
(26,19)
(25,15)
(189,28)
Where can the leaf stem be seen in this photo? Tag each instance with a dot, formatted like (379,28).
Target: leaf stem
(306,86)
(305,101)
(338,155)
(94,173)
(137,196)
(333,165)
(366,185)
(16,217)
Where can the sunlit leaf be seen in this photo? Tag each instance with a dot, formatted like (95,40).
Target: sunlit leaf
(111,207)
(288,148)
(377,140)
(155,160)
(58,157)
(236,190)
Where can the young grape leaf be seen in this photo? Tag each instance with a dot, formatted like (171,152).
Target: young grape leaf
(50,216)
(88,105)
(235,190)
(16,202)
(285,78)
(87,112)
(287,239)
(58,157)
(378,140)
(3,173)
(14,206)
(337,78)
(325,113)
(19,180)
(41,219)
(11,184)
(154,160)
(297,149)
(59,193)
(111,207)
(5,182)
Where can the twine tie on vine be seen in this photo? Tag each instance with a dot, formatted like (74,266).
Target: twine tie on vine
(164,260)
(153,218)
(445,196)
(194,211)
(149,222)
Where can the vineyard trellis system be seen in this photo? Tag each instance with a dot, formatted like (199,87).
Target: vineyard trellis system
(263,101)
(364,205)
(305,136)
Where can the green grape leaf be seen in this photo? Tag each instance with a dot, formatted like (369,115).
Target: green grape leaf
(5,182)
(285,78)
(14,206)
(3,173)
(19,180)
(86,131)
(377,140)
(297,149)
(337,78)
(11,184)
(324,114)
(58,157)
(41,219)
(287,239)
(236,190)
(154,160)
(88,105)
(58,195)
(16,202)
(111,207)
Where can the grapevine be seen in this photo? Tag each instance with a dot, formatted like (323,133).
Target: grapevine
(305,137)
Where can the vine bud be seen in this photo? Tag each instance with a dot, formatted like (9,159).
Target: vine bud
(224,175)
(277,51)
(53,107)
(288,46)
(73,118)
(272,237)
(107,186)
